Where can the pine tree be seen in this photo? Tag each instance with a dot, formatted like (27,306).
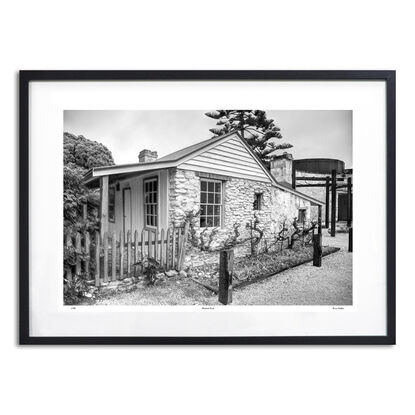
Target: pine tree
(259,131)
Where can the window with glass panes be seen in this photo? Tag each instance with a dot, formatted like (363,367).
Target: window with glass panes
(150,201)
(210,203)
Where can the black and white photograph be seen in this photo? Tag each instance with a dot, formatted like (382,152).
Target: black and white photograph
(207,208)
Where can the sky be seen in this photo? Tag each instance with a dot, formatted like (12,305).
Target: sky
(313,133)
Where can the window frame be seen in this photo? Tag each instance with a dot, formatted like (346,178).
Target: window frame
(220,182)
(302,211)
(259,197)
(157,204)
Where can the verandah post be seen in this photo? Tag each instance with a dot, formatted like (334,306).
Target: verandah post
(350,239)
(104,205)
(225,276)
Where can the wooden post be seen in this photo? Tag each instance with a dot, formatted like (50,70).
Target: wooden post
(182,248)
(293,176)
(327,221)
(121,255)
(162,247)
(84,211)
(143,242)
(68,243)
(87,242)
(350,239)
(349,202)
(225,276)
(156,245)
(104,204)
(78,248)
(97,259)
(173,249)
(105,257)
(333,202)
(168,249)
(128,253)
(319,220)
(135,251)
(114,257)
(150,243)
(317,250)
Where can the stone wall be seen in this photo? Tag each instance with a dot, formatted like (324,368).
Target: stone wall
(239,195)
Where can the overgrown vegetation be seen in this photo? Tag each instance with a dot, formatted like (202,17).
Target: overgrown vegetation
(79,155)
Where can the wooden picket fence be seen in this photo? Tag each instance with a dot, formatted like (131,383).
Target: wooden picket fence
(113,257)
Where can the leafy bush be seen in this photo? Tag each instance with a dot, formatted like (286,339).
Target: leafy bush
(151,267)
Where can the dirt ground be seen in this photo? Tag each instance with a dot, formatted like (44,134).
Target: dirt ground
(304,285)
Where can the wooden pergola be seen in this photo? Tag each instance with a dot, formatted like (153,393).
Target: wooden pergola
(330,183)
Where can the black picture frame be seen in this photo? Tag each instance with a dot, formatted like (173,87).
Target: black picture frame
(26,77)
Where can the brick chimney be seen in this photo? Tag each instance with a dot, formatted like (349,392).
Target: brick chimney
(282,168)
(147,155)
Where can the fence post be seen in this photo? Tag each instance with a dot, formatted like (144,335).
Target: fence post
(143,242)
(350,239)
(68,243)
(225,276)
(162,247)
(182,248)
(87,242)
(78,250)
(317,250)
(114,257)
(121,255)
(168,249)
(135,251)
(173,249)
(97,259)
(128,253)
(105,256)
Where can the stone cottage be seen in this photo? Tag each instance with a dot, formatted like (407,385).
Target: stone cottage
(220,181)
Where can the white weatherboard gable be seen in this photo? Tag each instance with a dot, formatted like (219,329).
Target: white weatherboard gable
(229,157)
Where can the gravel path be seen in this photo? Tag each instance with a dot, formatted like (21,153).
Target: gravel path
(306,285)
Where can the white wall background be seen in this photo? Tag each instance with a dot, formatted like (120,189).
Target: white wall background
(206,35)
